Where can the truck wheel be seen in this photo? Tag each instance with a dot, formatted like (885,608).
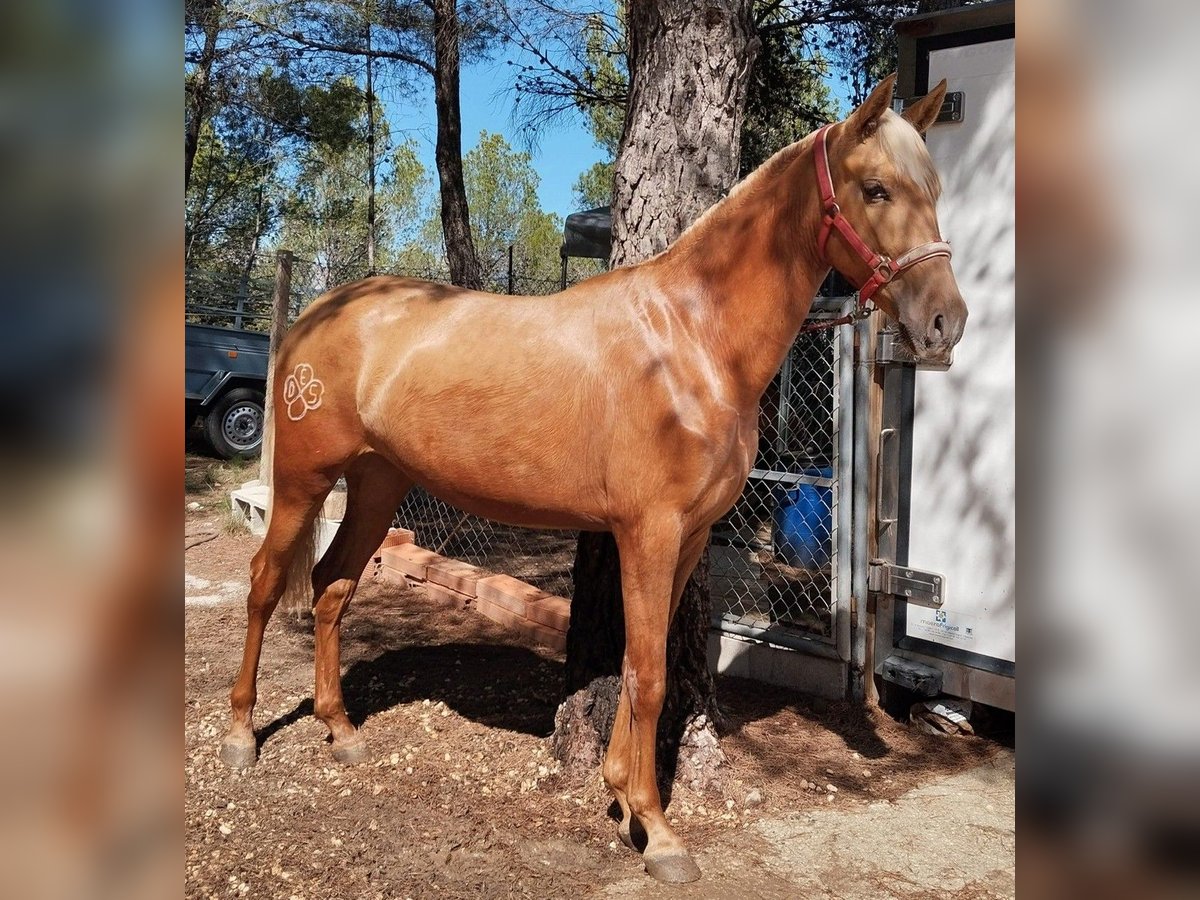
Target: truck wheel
(234,425)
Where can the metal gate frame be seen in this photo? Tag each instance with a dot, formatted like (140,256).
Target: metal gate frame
(837,645)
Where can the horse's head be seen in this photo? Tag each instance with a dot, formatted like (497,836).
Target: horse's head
(886,189)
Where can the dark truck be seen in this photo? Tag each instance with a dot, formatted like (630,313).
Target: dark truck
(226,384)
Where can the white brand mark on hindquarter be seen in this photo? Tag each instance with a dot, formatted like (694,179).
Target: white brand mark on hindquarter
(302,391)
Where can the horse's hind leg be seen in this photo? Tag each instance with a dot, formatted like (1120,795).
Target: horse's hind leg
(294,506)
(375,489)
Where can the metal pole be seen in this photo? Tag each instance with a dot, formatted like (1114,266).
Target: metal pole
(845,448)
(279,324)
(563,256)
(783,413)
(861,513)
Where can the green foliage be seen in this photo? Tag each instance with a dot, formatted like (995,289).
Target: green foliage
(325,217)
(231,202)
(607,74)
(502,193)
(785,99)
(237,192)
(594,186)
(313,113)
(862,46)
(802,43)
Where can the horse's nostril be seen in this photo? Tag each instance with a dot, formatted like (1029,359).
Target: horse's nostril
(939,325)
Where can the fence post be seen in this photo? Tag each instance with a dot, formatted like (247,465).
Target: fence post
(510,268)
(241,305)
(280,305)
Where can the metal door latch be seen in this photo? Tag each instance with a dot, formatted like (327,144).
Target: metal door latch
(915,586)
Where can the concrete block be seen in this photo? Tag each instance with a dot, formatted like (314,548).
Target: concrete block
(445,596)
(335,506)
(806,672)
(553,612)
(499,614)
(728,655)
(249,505)
(409,559)
(454,574)
(924,680)
(547,637)
(495,587)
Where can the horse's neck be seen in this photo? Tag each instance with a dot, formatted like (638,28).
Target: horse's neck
(752,262)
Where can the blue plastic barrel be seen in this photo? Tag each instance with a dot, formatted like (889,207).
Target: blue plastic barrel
(804,522)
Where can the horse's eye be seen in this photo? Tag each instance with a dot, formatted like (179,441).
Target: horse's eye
(875,192)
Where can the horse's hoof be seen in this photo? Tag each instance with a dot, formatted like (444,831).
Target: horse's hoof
(672,868)
(238,754)
(626,837)
(352,753)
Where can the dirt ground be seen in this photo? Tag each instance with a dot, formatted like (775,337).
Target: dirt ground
(462,798)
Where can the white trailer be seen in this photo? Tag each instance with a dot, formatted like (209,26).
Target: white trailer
(943,507)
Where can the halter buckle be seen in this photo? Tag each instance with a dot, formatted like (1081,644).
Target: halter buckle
(884,270)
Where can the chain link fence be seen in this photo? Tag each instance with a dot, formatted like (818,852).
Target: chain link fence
(773,566)
(540,558)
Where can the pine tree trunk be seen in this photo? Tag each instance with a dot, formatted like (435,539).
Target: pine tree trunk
(456,221)
(370,156)
(199,95)
(689,66)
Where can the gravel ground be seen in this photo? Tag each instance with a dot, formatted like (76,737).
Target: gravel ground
(463,800)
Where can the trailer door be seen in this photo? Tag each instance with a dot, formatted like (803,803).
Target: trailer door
(957,513)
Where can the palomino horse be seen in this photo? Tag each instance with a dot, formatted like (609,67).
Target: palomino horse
(627,403)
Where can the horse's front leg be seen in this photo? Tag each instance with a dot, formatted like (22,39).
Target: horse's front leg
(650,554)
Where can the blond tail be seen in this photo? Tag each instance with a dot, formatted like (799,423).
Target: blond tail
(298,591)
(297,596)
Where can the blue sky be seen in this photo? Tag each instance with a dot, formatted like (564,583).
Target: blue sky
(564,150)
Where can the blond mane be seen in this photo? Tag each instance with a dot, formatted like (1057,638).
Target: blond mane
(904,147)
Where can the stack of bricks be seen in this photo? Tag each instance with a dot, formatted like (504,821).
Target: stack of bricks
(395,538)
(518,606)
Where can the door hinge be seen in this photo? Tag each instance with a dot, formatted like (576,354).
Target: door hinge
(907,583)
(951,111)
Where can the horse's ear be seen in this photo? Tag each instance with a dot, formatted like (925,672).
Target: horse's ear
(924,112)
(865,120)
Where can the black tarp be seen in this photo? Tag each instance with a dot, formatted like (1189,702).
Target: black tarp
(588,234)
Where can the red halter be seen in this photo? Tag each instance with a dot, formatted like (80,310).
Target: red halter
(882,268)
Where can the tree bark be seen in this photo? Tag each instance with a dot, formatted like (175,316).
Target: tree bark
(456,220)
(690,62)
(370,156)
(689,67)
(199,98)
